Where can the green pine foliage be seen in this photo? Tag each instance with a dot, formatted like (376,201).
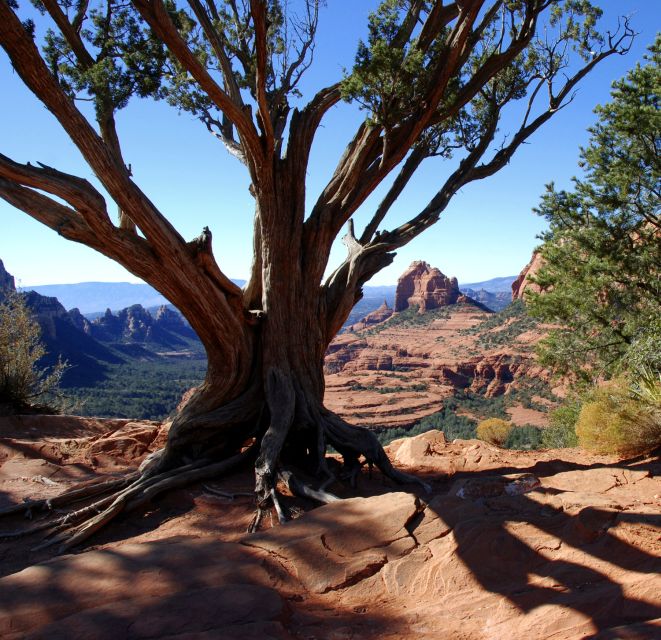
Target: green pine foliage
(24,386)
(601,279)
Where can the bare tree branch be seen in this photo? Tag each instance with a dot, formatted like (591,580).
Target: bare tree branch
(156,15)
(258,10)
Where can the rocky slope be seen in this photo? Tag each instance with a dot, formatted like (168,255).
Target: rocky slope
(135,324)
(548,545)
(494,300)
(392,372)
(522,283)
(375,317)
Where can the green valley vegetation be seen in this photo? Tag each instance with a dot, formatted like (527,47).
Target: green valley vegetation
(141,389)
(411,317)
(503,327)
(25,387)
(601,274)
(461,413)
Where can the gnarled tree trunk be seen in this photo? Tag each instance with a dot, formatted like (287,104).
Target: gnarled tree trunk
(262,398)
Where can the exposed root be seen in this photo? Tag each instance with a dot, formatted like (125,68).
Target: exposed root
(77,526)
(214,491)
(281,400)
(352,441)
(68,497)
(315,429)
(300,488)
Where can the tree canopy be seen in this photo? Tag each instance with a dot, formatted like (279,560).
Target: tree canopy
(601,274)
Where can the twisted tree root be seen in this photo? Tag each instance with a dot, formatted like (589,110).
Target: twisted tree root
(135,491)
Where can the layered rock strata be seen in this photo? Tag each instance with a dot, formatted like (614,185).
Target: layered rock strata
(425,287)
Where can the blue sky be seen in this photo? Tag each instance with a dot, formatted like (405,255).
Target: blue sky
(488,230)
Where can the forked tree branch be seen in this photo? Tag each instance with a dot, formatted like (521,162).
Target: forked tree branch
(125,248)
(217,42)
(156,15)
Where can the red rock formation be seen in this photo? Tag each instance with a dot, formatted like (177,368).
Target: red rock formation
(378,315)
(7,285)
(522,283)
(425,287)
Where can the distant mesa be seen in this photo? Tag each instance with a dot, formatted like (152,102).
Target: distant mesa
(523,283)
(420,287)
(426,288)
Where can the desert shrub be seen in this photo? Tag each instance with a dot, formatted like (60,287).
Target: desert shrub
(23,385)
(494,430)
(561,431)
(623,417)
(527,436)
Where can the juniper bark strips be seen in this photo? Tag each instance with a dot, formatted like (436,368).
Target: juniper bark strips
(433,80)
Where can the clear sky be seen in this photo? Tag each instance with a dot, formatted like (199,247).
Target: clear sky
(488,230)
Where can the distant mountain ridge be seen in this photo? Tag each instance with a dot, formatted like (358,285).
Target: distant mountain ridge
(494,285)
(95,297)
(91,347)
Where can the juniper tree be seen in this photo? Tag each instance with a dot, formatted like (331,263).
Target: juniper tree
(601,279)
(24,386)
(433,80)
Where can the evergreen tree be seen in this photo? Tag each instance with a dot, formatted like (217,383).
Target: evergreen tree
(24,386)
(601,274)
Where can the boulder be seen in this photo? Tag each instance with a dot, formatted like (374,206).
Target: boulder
(342,542)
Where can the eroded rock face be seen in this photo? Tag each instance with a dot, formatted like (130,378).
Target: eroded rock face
(522,283)
(377,316)
(48,312)
(425,287)
(7,284)
(136,324)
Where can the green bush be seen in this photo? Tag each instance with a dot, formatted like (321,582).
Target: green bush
(525,437)
(561,432)
(622,417)
(23,385)
(494,430)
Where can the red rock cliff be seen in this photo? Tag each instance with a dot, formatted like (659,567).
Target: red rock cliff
(522,283)
(425,287)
